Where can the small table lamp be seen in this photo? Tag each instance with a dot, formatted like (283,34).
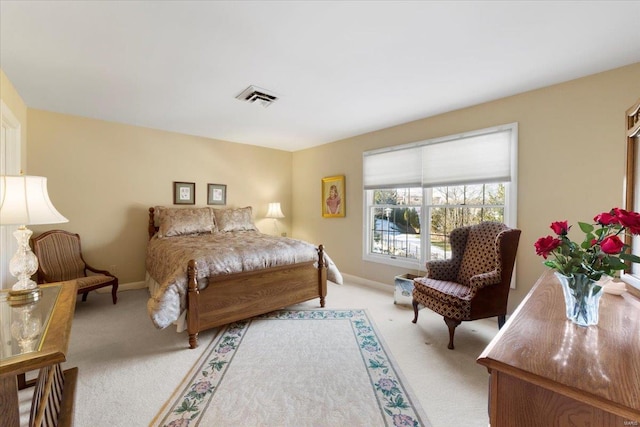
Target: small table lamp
(24,201)
(275,212)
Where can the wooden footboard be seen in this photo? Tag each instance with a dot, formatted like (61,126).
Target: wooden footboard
(240,296)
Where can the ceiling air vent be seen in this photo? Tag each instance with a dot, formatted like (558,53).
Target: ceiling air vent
(257,95)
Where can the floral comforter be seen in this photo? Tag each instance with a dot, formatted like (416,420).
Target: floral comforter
(216,254)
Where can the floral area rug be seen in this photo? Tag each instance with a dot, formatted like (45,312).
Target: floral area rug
(295,368)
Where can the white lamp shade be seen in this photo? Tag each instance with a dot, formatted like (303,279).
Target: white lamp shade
(24,200)
(274,211)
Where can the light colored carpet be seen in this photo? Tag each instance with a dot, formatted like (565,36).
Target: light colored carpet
(127,368)
(295,368)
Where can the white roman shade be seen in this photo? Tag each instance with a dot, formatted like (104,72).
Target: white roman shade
(392,168)
(468,160)
(483,156)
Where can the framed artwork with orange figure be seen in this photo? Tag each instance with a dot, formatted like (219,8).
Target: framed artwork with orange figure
(333,197)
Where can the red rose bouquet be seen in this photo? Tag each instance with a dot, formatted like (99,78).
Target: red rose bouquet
(602,251)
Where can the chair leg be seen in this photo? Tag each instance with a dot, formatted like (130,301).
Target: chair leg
(415,311)
(114,293)
(84,296)
(501,319)
(451,324)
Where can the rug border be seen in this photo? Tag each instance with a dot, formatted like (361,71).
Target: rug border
(205,353)
(410,393)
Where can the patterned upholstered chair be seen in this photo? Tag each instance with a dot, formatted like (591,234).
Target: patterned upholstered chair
(60,259)
(474,282)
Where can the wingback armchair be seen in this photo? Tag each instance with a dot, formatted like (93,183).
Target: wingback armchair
(474,283)
(60,258)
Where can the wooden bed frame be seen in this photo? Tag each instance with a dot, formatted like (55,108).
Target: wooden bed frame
(232,297)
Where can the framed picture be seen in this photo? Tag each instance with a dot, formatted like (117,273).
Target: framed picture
(184,193)
(632,192)
(333,197)
(216,194)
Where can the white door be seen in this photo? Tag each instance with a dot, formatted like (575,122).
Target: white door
(9,165)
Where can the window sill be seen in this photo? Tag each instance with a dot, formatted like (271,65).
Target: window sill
(412,264)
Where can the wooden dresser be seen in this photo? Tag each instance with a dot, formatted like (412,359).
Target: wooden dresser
(546,371)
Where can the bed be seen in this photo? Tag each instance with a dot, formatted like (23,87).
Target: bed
(208,267)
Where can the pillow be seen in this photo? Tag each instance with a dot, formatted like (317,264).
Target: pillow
(181,221)
(234,219)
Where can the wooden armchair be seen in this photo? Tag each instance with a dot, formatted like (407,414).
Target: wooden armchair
(474,283)
(60,258)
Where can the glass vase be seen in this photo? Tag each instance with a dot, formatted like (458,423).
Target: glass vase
(582,298)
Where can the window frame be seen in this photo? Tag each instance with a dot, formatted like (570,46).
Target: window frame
(510,202)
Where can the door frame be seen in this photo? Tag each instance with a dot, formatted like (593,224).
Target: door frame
(10,164)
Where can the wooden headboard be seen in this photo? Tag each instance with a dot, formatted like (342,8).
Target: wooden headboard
(152,224)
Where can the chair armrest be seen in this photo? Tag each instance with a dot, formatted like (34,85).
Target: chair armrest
(442,269)
(95,270)
(480,281)
(41,278)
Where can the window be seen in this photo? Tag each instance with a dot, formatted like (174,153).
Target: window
(453,207)
(446,183)
(395,223)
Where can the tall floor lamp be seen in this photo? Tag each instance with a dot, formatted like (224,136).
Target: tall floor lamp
(24,200)
(275,212)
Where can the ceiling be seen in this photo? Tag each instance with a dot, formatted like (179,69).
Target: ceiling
(340,69)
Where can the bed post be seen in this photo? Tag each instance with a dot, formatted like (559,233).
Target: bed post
(192,304)
(322,275)
(152,225)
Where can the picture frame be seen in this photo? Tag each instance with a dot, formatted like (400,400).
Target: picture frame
(334,197)
(216,194)
(632,192)
(184,193)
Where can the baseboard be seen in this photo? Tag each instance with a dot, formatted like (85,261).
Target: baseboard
(347,278)
(366,282)
(123,287)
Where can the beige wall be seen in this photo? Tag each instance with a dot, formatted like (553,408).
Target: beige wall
(104,176)
(570,166)
(13,100)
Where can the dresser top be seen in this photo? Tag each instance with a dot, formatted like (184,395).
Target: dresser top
(596,364)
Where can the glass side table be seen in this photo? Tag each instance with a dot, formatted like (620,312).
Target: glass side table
(34,335)
(22,322)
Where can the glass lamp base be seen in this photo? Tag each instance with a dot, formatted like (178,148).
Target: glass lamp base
(24,263)
(24,285)
(24,296)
